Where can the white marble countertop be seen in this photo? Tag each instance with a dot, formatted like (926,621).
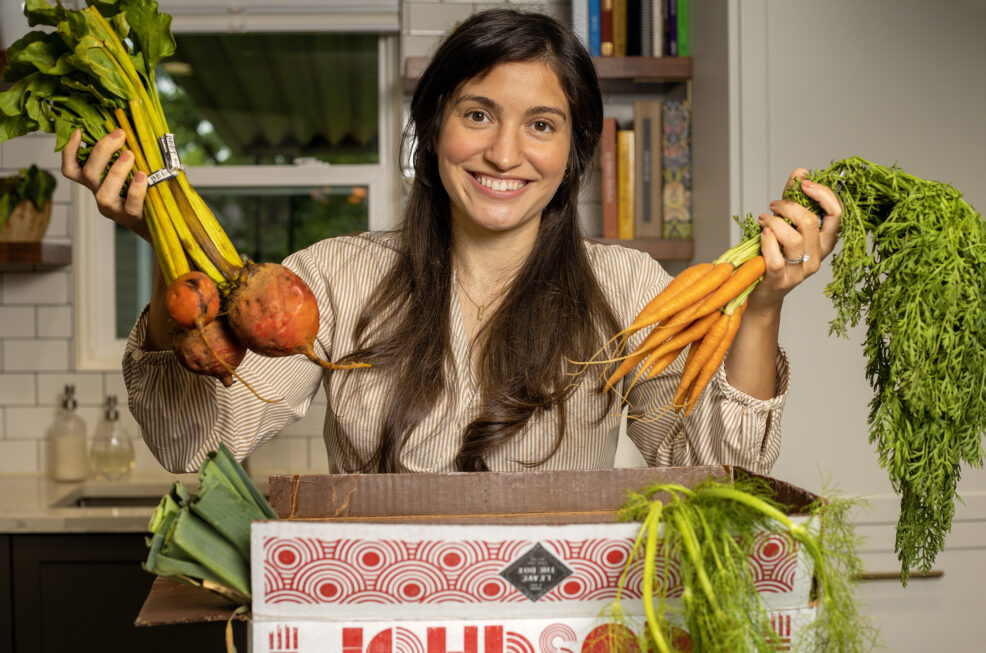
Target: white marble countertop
(33,503)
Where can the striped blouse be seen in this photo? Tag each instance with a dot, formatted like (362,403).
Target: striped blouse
(183,415)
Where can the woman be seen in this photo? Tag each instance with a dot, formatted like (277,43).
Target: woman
(472,313)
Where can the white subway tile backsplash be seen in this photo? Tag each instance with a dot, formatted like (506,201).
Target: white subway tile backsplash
(35,355)
(31,288)
(281,455)
(31,423)
(88,388)
(54,322)
(38,150)
(18,389)
(113,385)
(318,459)
(17,322)
(58,225)
(19,456)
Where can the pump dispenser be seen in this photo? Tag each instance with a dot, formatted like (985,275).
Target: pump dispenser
(112,453)
(68,442)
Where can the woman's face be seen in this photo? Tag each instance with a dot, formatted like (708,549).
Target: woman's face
(503,147)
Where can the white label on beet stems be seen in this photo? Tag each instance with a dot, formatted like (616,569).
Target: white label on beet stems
(159,176)
(169,150)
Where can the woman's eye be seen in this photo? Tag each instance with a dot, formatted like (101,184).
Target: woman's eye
(476,116)
(542,126)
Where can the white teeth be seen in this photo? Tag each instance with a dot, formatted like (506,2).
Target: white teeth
(499,184)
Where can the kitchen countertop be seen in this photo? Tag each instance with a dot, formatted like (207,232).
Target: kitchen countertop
(33,503)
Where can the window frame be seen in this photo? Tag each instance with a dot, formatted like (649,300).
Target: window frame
(96,344)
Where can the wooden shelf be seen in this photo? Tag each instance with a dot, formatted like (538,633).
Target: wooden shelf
(610,69)
(662,249)
(36,256)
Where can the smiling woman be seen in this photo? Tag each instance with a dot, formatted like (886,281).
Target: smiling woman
(475,312)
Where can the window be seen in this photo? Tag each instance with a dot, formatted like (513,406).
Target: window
(287,123)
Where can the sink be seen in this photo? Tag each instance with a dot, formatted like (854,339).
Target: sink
(110,495)
(111,502)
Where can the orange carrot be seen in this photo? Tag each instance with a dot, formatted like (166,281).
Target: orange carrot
(693,293)
(655,338)
(699,355)
(654,365)
(695,331)
(677,285)
(715,359)
(739,281)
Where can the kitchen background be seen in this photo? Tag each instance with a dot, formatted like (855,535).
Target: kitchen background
(777,84)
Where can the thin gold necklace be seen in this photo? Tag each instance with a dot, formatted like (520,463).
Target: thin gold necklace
(480,308)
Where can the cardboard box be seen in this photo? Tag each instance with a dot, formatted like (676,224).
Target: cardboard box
(465,563)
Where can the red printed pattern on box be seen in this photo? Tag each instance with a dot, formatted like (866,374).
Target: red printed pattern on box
(316,571)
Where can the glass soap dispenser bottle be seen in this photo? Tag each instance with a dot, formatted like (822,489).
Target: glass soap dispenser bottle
(68,442)
(112,454)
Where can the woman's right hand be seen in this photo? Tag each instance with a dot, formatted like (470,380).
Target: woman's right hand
(126,211)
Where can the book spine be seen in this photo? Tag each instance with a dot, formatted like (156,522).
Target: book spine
(606,28)
(684,28)
(594,28)
(648,205)
(619,28)
(658,28)
(671,28)
(677,169)
(647,28)
(608,164)
(624,182)
(634,28)
(580,20)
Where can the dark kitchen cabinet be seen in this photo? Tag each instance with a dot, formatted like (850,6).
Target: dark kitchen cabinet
(82,592)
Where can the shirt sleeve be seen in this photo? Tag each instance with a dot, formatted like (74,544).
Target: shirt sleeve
(184,415)
(726,427)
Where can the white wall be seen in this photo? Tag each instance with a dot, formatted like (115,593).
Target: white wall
(894,81)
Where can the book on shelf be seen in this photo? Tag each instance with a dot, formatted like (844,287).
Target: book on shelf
(607,150)
(624,183)
(676,166)
(648,195)
(593,27)
(580,21)
(606,28)
(683,31)
(633,30)
(619,28)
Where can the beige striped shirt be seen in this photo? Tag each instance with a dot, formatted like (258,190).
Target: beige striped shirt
(183,415)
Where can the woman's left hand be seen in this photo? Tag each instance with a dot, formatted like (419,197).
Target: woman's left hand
(794,250)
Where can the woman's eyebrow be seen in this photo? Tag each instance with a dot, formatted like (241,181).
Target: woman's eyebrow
(495,107)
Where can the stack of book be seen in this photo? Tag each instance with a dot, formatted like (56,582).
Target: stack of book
(626,28)
(646,172)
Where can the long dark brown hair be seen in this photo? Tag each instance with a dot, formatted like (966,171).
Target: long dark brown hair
(554,312)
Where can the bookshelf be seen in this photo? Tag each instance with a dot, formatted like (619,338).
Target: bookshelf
(617,75)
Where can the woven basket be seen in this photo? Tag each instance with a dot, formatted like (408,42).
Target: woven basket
(26,223)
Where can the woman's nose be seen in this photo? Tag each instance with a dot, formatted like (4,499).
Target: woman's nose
(504,150)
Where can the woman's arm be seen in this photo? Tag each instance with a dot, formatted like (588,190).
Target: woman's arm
(753,354)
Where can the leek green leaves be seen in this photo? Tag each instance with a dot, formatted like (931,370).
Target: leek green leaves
(204,538)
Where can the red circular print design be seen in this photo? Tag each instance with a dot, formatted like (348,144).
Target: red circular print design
(370,559)
(287,557)
(328,590)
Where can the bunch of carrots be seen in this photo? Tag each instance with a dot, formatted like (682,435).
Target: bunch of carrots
(701,310)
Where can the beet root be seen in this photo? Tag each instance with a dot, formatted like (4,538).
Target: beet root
(212,350)
(192,300)
(273,312)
